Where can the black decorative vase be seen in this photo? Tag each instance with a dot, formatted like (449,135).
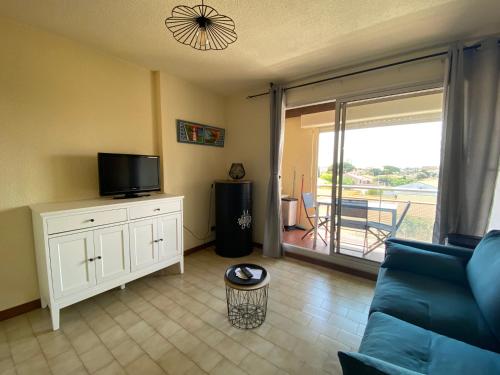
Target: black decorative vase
(233,216)
(237,172)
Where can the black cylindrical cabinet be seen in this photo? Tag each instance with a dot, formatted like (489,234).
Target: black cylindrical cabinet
(233,218)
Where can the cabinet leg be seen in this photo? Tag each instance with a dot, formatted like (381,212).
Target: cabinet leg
(43,302)
(54,315)
(181,266)
(122,286)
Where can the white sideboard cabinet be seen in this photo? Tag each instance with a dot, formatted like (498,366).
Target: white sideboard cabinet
(84,248)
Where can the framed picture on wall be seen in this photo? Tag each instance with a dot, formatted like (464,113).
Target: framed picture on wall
(194,133)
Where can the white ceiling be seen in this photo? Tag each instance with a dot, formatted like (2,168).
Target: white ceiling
(277,39)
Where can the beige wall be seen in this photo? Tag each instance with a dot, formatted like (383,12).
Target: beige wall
(248,142)
(61,103)
(191,169)
(299,156)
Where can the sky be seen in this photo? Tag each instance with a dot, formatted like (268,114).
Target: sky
(403,146)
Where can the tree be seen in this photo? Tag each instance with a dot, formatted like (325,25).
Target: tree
(375,171)
(347,180)
(389,169)
(348,167)
(327,176)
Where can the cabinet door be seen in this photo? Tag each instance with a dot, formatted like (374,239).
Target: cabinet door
(169,236)
(143,245)
(71,263)
(112,254)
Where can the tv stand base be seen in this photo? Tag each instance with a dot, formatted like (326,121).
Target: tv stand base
(127,196)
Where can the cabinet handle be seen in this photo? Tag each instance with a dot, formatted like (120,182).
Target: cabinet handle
(99,257)
(156,240)
(157,209)
(91,259)
(161,239)
(91,220)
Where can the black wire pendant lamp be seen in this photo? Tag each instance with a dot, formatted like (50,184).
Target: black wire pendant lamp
(201,27)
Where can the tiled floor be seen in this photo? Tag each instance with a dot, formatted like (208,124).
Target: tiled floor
(178,325)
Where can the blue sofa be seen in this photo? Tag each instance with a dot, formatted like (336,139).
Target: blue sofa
(436,310)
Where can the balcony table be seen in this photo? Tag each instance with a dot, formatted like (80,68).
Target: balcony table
(373,205)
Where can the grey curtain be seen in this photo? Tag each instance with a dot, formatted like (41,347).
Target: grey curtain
(470,140)
(272,230)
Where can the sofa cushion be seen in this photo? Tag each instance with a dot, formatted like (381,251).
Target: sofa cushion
(443,307)
(456,251)
(425,262)
(483,273)
(416,349)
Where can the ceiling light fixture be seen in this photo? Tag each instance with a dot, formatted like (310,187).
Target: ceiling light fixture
(201,27)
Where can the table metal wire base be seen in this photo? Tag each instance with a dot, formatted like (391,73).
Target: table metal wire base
(247,308)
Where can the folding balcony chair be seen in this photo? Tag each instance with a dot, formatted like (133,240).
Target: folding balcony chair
(310,206)
(383,231)
(354,216)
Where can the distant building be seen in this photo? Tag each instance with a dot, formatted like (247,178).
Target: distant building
(424,189)
(359,180)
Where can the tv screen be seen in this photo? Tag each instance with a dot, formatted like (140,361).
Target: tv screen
(128,174)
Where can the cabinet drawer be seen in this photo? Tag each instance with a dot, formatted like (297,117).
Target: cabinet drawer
(85,220)
(154,209)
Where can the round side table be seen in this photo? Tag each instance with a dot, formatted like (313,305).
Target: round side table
(247,304)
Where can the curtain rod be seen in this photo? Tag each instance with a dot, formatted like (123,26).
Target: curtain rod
(475,46)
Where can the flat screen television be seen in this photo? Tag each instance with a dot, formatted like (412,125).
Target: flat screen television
(128,174)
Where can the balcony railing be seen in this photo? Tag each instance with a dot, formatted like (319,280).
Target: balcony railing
(418,222)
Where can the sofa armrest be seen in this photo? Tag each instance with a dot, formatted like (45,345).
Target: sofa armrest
(437,265)
(457,251)
(361,364)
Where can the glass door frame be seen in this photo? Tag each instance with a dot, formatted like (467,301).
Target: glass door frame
(344,261)
(338,151)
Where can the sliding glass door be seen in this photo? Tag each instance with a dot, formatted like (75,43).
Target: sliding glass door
(360,172)
(384,174)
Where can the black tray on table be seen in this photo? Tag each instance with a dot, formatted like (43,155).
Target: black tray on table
(231,274)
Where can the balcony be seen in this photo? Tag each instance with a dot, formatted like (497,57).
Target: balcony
(404,212)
